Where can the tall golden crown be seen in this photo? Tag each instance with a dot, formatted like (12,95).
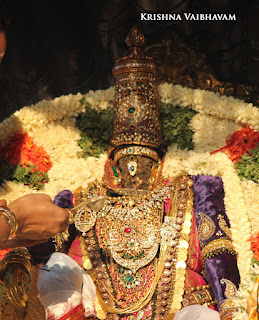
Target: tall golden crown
(136,108)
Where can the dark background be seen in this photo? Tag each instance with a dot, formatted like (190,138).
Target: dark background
(59,47)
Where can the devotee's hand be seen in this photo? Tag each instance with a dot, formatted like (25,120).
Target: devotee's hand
(38,217)
(20,242)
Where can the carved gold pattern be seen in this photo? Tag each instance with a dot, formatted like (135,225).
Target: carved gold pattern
(223,225)
(230,290)
(206,226)
(136,118)
(216,247)
(179,63)
(227,306)
(198,295)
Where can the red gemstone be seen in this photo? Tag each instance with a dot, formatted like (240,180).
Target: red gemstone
(127,230)
(132,128)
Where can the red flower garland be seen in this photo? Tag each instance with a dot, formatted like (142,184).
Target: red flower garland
(3,253)
(254,240)
(242,141)
(21,149)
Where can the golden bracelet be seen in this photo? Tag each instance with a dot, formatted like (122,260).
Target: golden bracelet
(10,218)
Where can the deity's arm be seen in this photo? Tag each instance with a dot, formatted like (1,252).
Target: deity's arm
(218,253)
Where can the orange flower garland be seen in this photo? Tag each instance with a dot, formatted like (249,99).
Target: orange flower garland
(254,240)
(21,149)
(3,253)
(242,141)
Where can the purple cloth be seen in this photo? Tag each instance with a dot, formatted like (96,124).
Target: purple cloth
(221,266)
(209,200)
(64,199)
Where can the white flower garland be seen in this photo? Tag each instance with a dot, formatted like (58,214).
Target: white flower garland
(195,163)
(251,193)
(214,129)
(52,125)
(207,102)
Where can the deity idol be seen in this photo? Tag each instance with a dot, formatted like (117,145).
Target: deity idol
(155,248)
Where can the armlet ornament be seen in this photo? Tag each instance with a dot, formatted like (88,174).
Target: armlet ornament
(216,247)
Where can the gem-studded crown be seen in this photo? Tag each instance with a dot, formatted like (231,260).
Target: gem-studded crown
(136,108)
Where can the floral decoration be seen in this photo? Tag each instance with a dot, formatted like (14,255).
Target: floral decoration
(22,161)
(25,174)
(248,166)
(20,149)
(63,137)
(3,253)
(255,246)
(242,141)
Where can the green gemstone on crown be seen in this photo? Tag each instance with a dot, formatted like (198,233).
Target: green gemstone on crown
(132,110)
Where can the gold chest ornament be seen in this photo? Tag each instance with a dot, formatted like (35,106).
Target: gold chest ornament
(132,235)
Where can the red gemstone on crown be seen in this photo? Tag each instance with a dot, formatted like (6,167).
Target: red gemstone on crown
(127,230)
(132,128)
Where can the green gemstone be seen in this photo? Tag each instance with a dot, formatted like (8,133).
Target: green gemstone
(121,270)
(132,244)
(130,150)
(132,110)
(129,279)
(115,172)
(202,296)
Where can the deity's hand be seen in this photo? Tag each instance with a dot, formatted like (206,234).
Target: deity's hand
(15,275)
(38,217)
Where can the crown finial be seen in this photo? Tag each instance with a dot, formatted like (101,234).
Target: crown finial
(135,38)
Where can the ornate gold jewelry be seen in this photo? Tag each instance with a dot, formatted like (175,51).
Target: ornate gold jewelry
(198,295)
(135,150)
(71,217)
(130,230)
(115,282)
(10,218)
(223,225)
(136,108)
(227,306)
(14,274)
(59,239)
(132,167)
(206,226)
(85,219)
(216,247)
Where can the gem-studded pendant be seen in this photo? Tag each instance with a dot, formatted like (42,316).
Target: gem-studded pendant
(132,167)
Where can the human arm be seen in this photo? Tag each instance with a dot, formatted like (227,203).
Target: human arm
(38,219)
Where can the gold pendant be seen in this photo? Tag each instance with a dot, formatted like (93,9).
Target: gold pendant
(85,219)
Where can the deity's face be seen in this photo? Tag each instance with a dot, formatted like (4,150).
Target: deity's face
(141,179)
